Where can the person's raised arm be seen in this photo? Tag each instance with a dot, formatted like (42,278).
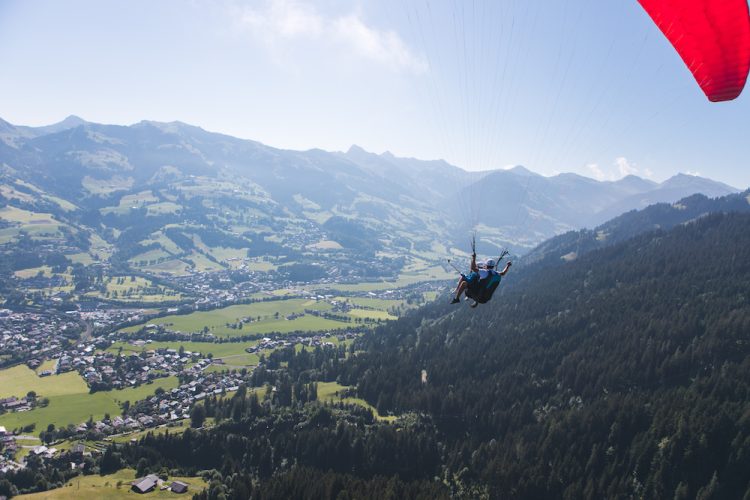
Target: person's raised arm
(474,262)
(507,266)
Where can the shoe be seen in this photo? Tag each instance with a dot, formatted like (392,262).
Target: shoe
(455,300)
(475,304)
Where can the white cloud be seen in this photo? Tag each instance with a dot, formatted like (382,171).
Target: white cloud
(620,168)
(283,19)
(624,167)
(383,46)
(280,22)
(596,171)
(693,173)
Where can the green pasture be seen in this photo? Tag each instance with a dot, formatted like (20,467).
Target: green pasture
(21,216)
(19,380)
(69,398)
(163,240)
(46,271)
(164,207)
(81,258)
(265,320)
(107,186)
(112,486)
(174,267)
(148,256)
(217,319)
(131,201)
(135,288)
(202,263)
(375,303)
(434,273)
(10,193)
(157,431)
(329,391)
(47,365)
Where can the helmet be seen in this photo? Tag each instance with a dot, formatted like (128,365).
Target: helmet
(489,264)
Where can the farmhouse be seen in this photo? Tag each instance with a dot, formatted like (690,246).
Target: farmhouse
(144,484)
(179,487)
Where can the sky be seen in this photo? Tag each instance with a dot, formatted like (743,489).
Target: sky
(579,86)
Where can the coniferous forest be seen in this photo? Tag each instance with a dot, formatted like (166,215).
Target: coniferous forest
(622,374)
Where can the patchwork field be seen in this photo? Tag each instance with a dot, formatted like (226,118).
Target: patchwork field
(265,317)
(69,398)
(135,289)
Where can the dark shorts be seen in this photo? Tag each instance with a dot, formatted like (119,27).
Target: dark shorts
(472,280)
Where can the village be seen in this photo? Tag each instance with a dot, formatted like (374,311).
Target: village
(104,370)
(33,337)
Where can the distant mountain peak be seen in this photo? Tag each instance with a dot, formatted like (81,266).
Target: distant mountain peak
(72,121)
(6,126)
(684,179)
(521,170)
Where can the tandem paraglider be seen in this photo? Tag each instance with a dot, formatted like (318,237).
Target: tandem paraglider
(483,279)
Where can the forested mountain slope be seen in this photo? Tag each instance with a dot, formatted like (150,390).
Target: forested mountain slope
(623,373)
(658,216)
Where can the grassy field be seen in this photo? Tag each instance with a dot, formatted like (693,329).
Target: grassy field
(165,207)
(47,365)
(135,288)
(216,320)
(13,214)
(329,391)
(380,304)
(96,487)
(131,201)
(271,316)
(69,398)
(158,431)
(143,259)
(174,267)
(435,273)
(19,380)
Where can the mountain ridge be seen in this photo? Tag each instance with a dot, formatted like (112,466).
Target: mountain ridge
(93,165)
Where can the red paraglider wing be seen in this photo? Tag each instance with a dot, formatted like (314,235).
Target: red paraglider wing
(713,39)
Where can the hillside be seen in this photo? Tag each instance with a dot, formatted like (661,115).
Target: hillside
(169,169)
(622,373)
(570,245)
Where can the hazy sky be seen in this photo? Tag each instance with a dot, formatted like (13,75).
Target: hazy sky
(585,86)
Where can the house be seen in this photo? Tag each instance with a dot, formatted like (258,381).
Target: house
(178,487)
(144,484)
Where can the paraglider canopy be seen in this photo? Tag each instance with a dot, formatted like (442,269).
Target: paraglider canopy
(712,38)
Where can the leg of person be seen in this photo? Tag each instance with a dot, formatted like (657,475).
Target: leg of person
(459,290)
(460,287)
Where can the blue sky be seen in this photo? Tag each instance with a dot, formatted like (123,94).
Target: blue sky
(583,86)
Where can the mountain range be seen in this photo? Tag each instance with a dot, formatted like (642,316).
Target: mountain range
(179,173)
